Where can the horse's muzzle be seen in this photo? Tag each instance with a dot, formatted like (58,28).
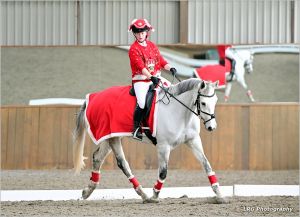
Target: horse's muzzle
(211,125)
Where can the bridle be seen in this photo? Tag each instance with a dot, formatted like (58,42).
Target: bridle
(197,104)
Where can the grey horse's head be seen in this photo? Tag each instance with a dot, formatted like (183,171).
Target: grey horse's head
(207,103)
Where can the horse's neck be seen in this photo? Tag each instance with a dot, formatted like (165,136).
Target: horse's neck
(243,55)
(188,98)
(184,86)
(185,92)
(240,63)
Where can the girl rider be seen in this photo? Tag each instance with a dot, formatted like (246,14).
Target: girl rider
(146,63)
(226,51)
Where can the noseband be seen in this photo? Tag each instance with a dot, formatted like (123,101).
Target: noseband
(197,103)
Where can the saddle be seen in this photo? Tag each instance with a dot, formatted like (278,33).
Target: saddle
(147,109)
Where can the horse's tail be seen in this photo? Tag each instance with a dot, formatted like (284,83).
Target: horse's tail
(78,140)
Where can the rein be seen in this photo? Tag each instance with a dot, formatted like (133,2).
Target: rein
(197,103)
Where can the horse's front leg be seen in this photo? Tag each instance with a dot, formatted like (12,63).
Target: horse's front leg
(227,91)
(163,152)
(242,82)
(250,95)
(99,156)
(116,146)
(197,148)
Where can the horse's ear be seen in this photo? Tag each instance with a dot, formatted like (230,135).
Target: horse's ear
(202,85)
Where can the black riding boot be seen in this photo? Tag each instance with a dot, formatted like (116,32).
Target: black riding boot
(222,62)
(137,130)
(232,71)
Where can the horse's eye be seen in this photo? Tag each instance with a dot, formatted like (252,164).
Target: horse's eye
(203,103)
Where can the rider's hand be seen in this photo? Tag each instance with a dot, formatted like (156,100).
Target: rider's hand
(173,70)
(155,80)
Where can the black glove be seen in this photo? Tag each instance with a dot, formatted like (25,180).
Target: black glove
(173,70)
(155,80)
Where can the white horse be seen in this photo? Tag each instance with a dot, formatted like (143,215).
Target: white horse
(244,62)
(176,124)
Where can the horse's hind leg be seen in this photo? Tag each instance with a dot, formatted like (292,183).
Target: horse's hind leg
(115,144)
(99,156)
(197,148)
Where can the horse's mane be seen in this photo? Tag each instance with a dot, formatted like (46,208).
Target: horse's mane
(184,86)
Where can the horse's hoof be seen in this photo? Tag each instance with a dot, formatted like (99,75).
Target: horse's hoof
(151,200)
(221,200)
(87,192)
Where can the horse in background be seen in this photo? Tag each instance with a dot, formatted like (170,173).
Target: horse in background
(244,63)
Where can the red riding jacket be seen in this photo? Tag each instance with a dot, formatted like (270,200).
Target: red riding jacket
(147,57)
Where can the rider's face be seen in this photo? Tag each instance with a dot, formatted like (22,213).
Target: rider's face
(141,36)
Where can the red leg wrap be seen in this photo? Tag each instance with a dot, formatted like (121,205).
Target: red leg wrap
(158,185)
(135,182)
(95,177)
(212,179)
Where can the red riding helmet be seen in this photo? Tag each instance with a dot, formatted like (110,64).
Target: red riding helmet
(140,25)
